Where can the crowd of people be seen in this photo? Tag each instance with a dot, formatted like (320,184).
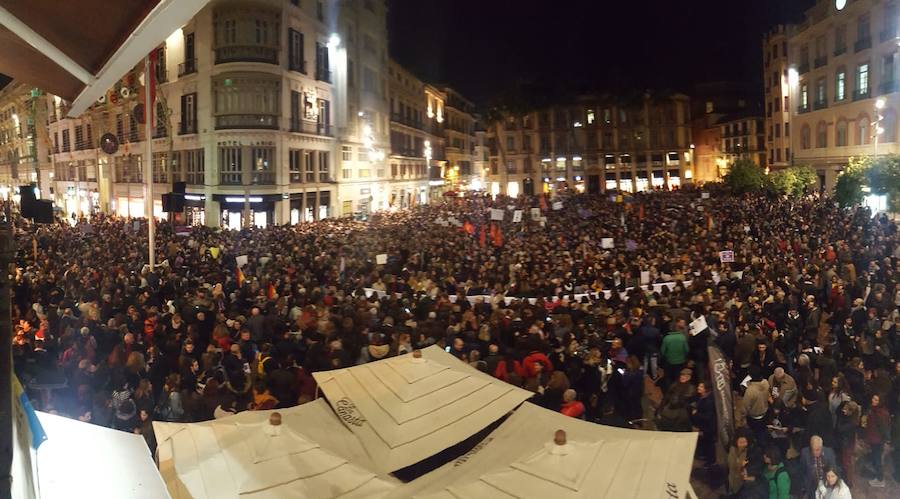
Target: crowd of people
(550,300)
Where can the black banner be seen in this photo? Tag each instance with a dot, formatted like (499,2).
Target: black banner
(721,386)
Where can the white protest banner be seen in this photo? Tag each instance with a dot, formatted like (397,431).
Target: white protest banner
(645,277)
(698,325)
(704,195)
(726,256)
(496,214)
(557,206)
(241,260)
(737,275)
(517,216)
(381,259)
(607,243)
(747,229)
(535,214)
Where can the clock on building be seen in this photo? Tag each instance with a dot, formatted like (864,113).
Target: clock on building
(840,4)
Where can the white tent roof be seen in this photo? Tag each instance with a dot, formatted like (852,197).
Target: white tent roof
(520,460)
(311,456)
(405,409)
(85,460)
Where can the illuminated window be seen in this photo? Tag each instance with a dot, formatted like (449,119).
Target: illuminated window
(840,85)
(590,116)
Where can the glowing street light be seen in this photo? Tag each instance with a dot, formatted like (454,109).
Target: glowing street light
(334,40)
(793,77)
(879,104)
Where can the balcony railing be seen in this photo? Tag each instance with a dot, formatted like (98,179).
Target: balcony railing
(187,67)
(298,66)
(861,95)
(820,61)
(862,44)
(399,118)
(804,68)
(246,121)
(820,104)
(312,127)
(323,74)
(887,87)
(840,50)
(187,128)
(802,109)
(262,178)
(247,53)
(887,34)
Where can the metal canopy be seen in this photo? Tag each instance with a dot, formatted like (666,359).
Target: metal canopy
(78,50)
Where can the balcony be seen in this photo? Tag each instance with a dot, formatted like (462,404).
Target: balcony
(260,121)
(187,128)
(410,122)
(861,95)
(802,109)
(887,34)
(187,67)
(818,62)
(247,53)
(862,44)
(298,66)
(840,50)
(311,127)
(820,104)
(804,68)
(323,74)
(887,87)
(262,178)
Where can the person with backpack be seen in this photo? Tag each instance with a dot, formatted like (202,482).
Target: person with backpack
(776,475)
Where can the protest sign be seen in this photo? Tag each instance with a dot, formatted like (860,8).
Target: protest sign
(241,260)
(557,206)
(704,195)
(698,325)
(381,259)
(535,214)
(726,256)
(607,243)
(517,216)
(496,214)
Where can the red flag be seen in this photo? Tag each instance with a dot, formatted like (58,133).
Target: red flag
(497,235)
(270,293)
(469,228)
(641,212)
(482,237)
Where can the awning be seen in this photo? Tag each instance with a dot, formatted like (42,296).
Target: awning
(309,455)
(521,460)
(85,460)
(405,409)
(78,50)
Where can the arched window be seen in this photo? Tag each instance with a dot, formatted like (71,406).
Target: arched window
(840,133)
(804,137)
(862,129)
(821,135)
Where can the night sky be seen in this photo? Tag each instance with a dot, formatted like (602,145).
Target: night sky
(484,48)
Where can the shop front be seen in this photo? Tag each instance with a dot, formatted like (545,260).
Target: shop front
(261,210)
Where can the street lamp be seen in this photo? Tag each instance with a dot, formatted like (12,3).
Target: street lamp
(877,129)
(334,40)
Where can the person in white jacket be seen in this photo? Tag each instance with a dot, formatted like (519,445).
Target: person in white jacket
(833,487)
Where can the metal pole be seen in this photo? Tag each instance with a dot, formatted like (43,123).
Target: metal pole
(7,255)
(148,170)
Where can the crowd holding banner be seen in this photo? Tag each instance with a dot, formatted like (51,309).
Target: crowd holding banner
(594,304)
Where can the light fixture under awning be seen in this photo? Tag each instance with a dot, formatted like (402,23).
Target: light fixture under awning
(78,50)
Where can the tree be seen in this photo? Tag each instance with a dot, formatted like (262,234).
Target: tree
(744,176)
(879,175)
(793,181)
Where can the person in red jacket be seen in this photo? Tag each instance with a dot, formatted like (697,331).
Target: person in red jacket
(508,366)
(876,431)
(536,357)
(572,407)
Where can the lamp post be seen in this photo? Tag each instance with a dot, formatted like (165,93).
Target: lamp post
(876,125)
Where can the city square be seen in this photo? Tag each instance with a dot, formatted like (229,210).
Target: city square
(296,248)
